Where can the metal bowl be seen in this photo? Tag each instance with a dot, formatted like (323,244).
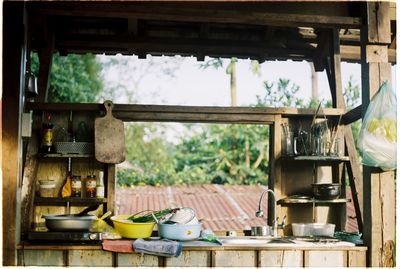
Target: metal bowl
(326,191)
(68,223)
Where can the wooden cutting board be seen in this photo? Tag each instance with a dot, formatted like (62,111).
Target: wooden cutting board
(109,137)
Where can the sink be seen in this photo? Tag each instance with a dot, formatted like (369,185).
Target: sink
(244,241)
(271,242)
(256,241)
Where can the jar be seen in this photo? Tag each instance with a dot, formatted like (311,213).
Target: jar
(47,188)
(76,186)
(91,186)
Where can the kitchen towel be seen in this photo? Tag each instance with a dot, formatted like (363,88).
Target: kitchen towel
(158,247)
(121,246)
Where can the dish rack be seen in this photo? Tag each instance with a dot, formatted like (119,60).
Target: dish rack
(74,147)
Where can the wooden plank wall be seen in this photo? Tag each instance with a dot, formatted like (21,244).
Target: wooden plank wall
(379,187)
(14,60)
(198,258)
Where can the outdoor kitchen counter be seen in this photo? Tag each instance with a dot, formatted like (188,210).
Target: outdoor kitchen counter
(194,255)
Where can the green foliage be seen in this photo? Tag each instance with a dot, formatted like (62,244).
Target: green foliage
(223,154)
(351,94)
(73,78)
(226,154)
(283,95)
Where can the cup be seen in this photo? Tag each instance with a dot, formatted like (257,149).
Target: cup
(260,231)
(289,144)
(337,147)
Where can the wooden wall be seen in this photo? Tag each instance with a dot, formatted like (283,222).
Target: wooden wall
(336,257)
(379,187)
(13,85)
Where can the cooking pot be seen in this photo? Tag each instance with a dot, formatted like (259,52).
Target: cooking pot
(313,229)
(69,222)
(181,232)
(326,191)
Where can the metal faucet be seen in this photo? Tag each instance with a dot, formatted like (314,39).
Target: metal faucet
(260,213)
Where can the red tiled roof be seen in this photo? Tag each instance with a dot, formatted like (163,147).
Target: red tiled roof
(220,207)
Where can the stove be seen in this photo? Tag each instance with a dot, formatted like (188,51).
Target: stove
(65,237)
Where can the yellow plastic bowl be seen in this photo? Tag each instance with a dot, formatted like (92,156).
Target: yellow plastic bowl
(130,229)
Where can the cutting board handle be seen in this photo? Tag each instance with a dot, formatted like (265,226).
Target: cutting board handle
(109,106)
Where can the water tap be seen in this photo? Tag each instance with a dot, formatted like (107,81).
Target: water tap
(260,213)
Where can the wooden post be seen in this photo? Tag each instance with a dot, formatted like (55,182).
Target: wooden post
(335,83)
(13,83)
(46,60)
(274,179)
(379,187)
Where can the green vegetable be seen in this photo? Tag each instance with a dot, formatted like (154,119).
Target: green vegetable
(148,217)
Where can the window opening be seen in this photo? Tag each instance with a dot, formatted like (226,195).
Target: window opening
(219,170)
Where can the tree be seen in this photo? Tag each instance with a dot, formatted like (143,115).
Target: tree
(231,71)
(73,78)
(124,76)
(283,95)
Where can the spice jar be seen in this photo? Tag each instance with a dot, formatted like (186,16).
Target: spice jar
(91,186)
(47,188)
(76,186)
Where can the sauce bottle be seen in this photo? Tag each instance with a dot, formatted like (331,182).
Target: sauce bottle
(91,186)
(76,186)
(47,136)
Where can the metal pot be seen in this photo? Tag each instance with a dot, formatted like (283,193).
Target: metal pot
(313,229)
(326,191)
(181,232)
(69,222)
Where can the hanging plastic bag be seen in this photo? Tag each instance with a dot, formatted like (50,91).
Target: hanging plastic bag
(378,135)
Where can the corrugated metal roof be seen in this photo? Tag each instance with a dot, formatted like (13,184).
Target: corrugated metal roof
(220,207)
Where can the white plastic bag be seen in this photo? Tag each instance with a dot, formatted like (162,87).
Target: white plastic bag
(378,134)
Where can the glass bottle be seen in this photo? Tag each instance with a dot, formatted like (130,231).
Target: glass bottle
(47,136)
(100,185)
(76,186)
(90,186)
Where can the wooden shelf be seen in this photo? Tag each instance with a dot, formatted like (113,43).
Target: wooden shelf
(67,155)
(72,200)
(318,158)
(289,201)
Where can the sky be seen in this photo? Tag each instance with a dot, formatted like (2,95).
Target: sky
(192,85)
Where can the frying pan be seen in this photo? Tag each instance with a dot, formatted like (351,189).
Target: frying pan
(71,222)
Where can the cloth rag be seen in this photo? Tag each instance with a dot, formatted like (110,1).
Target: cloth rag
(121,246)
(158,247)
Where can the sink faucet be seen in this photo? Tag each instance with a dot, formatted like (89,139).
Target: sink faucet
(260,213)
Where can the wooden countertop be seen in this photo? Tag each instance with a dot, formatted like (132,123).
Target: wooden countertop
(194,245)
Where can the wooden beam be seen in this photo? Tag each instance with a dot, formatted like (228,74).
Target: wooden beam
(379,23)
(322,50)
(98,43)
(335,82)
(379,195)
(216,14)
(45,60)
(275,174)
(120,108)
(352,115)
(29,180)
(334,70)
(13,85)
(355,175)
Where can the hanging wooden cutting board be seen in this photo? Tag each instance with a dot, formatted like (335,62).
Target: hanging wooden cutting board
(109,137)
